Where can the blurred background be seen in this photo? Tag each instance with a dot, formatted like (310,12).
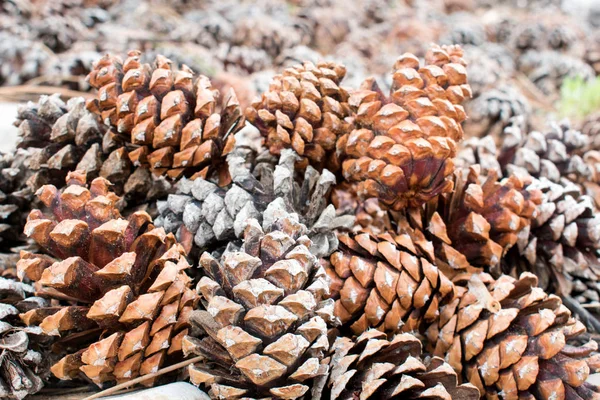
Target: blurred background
(527,58)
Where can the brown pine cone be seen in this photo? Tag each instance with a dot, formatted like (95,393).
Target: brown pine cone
(263,321)
(304,109)
(560,244)
(57,135)
(402,148)
(468,325)
(168,117)
(375,367)
(482,219)
(387,281)
(509,339)
(126,281)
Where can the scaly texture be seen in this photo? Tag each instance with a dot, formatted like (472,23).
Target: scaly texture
(482,219)
(61,138)
(126,281)
(402,148)
(24,364)
(304,109)
(202,214)
(491,112)
(509,339)
(375,367)
(507,336)
(15,199)
(388,281)
(561,243)
(168,117)
(263,321)
(559,152)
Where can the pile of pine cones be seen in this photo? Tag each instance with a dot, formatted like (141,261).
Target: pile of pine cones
(327,241)
(520,52)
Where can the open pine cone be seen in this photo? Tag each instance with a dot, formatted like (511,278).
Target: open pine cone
(509,339)
(125,280)
(304,109)
(168,117)
(24,364)
(482,219)
(386,281)
(263,315)
(561,243)
(402,148)
(67,137)
(202,214)
(375,367)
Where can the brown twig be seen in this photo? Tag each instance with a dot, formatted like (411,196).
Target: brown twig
(38,81)
(135,381)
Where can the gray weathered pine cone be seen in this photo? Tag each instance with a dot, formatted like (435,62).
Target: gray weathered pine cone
(491,112)
(264,316)
(561,246)
(23,365)
(547,69)
(202,214)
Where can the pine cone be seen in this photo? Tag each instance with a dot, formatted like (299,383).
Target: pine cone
(402,148)
(463,325)
(203,214)
(560,152)
(548,69)
(15,198)
(24,365)
(491,112)
(561,243)
(509,339)
(61,138)
(371,366)
(125,278)
(387,281)
(304,109)
(263,314)
(21,59)
(168,116)
(482,219)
